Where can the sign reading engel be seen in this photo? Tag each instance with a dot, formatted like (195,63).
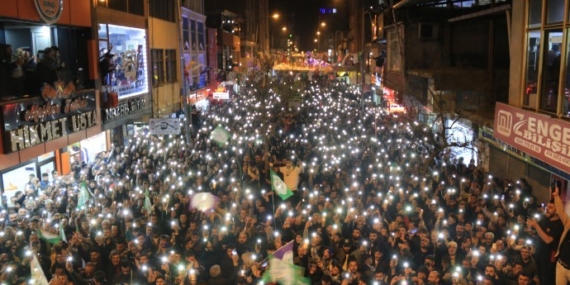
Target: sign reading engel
(164,126)
(49,10)
(543,137)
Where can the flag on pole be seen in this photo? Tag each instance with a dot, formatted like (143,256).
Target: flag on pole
(37,274)
(280,187)
(220,135)
(285,252)
(49,237)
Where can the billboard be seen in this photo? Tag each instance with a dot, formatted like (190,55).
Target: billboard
(536,134)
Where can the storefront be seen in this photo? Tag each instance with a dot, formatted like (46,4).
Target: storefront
(45,109)
(536,149)
(125,86)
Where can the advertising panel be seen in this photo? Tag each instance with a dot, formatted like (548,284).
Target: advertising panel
(164,126)
(538,135)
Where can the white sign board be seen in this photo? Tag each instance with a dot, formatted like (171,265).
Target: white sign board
(221,95)
(164,126)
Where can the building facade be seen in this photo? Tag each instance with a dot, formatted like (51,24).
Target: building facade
(51,118)
(531,135)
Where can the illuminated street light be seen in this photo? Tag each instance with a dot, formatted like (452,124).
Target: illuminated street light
(323,24)
(318,32)
(284,29)
(275,16)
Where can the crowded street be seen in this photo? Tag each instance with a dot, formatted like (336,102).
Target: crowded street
(328,192)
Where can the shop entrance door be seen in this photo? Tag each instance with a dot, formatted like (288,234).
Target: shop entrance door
(40,40)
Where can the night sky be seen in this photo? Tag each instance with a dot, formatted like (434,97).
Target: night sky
(305,18)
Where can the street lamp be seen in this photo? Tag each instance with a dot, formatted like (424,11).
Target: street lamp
(323,24)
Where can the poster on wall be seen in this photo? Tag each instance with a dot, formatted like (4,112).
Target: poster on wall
(16,180)
(164,126)
(93,146)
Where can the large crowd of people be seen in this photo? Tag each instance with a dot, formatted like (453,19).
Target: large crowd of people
(371,204)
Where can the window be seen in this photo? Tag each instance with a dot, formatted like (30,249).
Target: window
(394,56)
(157,60)
(193,35)
(120,5)
(171,69)
(137,7)
(201,37)
(163,9)
(128,75)
(551,71)
(185,33)
(129,6)
(532,60)
(555,11)
(535,13)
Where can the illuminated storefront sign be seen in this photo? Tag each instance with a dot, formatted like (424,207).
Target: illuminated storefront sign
(124,109)
(38,120)
(538,135)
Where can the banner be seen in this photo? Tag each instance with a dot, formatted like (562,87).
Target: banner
(164,126)
(538,135)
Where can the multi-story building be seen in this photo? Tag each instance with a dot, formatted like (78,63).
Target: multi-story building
(125,81)
(199,69)
(51,120)
(531,135)
(164,41)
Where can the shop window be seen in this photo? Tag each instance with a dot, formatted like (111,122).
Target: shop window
(127,48)
(532,63)
(157,62)
(185,34)
(551,71)
(102,31)
(535,13)
(171,69)
(554,11)
(163,9)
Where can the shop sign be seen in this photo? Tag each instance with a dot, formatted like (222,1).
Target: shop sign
(39,120)
(124,109)
(164,126)
(538,135)
(49,10)
(221,95)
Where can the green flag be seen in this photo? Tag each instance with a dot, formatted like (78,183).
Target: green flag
(280,187)
(49,237)
(220,135)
